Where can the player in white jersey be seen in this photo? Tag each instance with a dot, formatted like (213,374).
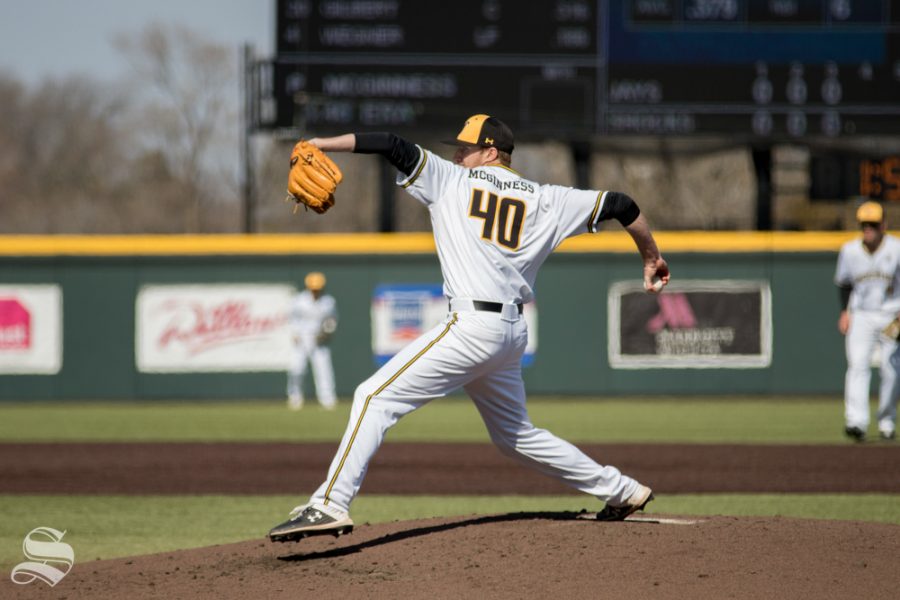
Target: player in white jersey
(313,320)
(493,229)
(868,275)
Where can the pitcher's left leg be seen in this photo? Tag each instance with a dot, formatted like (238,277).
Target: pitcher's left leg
(410,379)
(430,367)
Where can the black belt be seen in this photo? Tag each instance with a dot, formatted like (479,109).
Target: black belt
(491,306)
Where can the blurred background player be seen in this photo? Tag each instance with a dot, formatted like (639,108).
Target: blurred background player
(868,275)
(313,322)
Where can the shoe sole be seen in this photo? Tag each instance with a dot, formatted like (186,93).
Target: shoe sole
(296,536)
(631,510)
(634,509)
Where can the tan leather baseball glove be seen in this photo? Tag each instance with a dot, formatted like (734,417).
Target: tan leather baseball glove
(313,178)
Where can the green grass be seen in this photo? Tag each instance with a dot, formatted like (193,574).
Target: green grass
(708,420)
(113,526)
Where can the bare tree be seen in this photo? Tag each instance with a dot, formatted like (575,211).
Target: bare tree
(12,99)
(160,155)
(62,157)
(185,111)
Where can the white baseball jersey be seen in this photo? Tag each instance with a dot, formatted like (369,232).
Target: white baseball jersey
(308,314)
(491,248)
(875,276)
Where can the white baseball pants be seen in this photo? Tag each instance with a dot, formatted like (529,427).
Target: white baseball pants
(864,333)
(307,351)
(480,352)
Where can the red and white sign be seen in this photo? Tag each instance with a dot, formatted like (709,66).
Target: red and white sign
(30,329)
(212,328)
(15,325)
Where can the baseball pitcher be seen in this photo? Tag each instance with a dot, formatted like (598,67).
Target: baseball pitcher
(493,229)
(868,276)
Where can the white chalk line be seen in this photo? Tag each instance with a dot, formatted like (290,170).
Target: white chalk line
(665,520)
(652,520)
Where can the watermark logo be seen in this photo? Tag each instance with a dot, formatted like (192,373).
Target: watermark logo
(48,561)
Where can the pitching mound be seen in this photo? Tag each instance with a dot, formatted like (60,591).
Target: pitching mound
(523,555)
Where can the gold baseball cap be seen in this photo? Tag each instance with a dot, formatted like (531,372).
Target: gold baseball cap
(870,212)
(485,131)
(314,281)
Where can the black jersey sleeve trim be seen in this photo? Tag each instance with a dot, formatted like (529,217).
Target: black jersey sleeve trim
(400,152)
(619,206)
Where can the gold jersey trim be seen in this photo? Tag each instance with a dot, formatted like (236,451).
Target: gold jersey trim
(590,226)
(418,172)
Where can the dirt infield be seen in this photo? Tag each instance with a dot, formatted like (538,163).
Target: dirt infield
(518,556)
(515,556)
(405,468)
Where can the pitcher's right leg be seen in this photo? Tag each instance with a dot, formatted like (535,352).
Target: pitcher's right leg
(500,398)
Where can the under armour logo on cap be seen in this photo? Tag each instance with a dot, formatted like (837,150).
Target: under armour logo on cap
(493,132)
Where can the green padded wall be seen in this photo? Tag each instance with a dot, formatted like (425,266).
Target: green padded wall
(99,300)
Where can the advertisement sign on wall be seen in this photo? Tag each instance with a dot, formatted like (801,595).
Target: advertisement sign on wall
(403,312)
(212,328)
(30,329)
(693,324)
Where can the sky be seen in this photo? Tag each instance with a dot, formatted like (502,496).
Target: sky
(42,39)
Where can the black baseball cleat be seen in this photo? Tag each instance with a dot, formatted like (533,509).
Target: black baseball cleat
(312,519)
(637,501)
(855,433)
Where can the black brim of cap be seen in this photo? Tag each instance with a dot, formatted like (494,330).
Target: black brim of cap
(461,143)
(471,145)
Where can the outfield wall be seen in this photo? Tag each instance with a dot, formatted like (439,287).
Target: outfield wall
(99,279)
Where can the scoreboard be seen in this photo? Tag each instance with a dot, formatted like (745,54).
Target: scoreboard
(836,174)
(578,68)
(790,68)
(401,64)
